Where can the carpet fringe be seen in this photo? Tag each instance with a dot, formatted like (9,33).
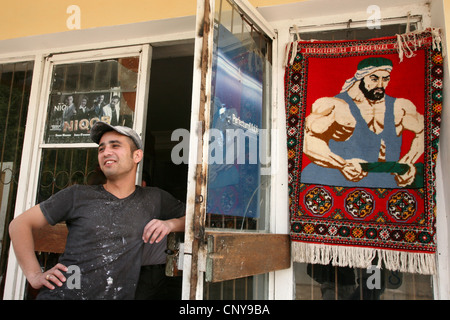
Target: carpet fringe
(358,257)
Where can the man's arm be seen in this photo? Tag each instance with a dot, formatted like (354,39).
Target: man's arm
(21,233)
(407,118)
(157,229)
(331,118)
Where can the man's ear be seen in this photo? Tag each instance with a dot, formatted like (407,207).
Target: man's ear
(138,155)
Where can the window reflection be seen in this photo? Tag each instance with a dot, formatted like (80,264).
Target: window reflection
(237,188)
(327,282)
(239,148)
(84,93)
(15,88)
(61,168)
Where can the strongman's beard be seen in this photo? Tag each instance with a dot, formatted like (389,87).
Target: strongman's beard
(374,94)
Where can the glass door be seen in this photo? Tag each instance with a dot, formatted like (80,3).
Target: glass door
(228,210)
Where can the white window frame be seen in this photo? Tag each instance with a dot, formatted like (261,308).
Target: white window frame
(34,135)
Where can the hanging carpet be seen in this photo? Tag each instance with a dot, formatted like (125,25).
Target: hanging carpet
(362,131)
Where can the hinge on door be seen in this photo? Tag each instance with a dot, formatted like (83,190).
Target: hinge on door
(175,254)
(199,199)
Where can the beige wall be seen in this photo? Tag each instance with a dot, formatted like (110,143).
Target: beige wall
(22,18)
(447,20)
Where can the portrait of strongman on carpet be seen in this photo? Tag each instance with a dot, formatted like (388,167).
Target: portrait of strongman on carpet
(355,137)
(362,120)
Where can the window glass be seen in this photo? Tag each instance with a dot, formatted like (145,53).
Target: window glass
(84,93)
(61,168)
(327,282)
(238,166)
(15,88)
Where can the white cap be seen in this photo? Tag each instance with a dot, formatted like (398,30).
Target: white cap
(101,127)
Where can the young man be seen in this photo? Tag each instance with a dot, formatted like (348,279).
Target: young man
(108,225)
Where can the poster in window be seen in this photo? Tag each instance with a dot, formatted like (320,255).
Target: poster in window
(84,93)
(71,116)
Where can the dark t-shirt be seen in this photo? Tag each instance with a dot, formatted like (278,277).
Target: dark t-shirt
(105,238)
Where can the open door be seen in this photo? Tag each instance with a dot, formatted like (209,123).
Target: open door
(229,181)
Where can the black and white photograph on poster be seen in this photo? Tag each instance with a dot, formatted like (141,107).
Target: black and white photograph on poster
(71,116)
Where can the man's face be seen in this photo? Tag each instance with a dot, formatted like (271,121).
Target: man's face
(114,101)
(69,100)
(373,86)
(115,156)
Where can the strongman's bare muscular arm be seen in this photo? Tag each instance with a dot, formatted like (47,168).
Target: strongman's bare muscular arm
(407,118)
(331,118)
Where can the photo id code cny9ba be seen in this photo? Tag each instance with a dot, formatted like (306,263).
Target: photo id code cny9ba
(227,309)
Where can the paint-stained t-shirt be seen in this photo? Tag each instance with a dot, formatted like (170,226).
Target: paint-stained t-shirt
(105,238)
